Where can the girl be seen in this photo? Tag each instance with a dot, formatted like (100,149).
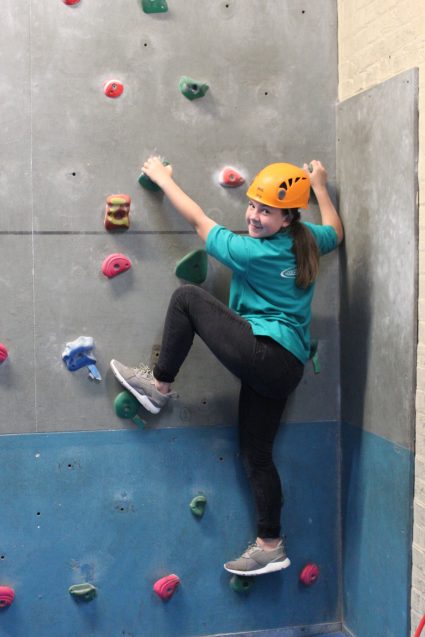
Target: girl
(263,336)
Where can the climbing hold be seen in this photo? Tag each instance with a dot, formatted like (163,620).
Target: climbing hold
(117,212)
(127,406)
(85,591)
(154,6)
(314,356)
(3,353)
(197,506)
(230,178)
(113,88)
(115,264)
(193,267)
(147,183)
(309,574)
(77,354)
(241,584)
(7,595)
(70,2)
(166,586)
(192,89)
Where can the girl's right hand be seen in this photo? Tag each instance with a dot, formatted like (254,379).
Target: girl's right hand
(155,169)
(317,173)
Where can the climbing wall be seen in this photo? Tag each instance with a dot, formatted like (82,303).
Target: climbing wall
(103,498)
(66,147)
(378,190)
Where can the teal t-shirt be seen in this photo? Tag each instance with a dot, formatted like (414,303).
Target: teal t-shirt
(263,289)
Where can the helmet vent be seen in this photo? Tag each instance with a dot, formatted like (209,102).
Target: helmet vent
(290,181)
(283,185)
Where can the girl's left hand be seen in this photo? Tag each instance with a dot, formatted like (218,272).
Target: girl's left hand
(318,175)
(155,169)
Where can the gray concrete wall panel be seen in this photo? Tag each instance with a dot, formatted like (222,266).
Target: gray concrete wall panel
(271,68)
(377,176)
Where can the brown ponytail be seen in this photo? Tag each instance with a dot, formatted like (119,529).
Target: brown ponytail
(305,250)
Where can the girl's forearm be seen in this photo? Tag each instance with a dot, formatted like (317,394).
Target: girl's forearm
(329,215)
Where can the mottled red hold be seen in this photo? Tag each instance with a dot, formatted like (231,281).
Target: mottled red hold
(71,2)
(7,595)
(113,88)
(231,178)
(4,354)
(309,574)
(166,586)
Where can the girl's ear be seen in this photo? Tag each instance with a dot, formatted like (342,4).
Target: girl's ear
(287,217)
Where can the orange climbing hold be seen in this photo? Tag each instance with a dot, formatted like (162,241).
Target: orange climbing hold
(166,586)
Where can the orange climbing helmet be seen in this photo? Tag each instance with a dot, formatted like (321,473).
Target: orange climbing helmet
(281,186)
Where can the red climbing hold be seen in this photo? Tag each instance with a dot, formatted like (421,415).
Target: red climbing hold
(309,574)
(115,264)
(3,353)
(71,1)
(166,586)
(231,178)
(113,88)
(7,595)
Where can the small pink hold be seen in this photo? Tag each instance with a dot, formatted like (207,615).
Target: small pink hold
(4,354)
(113,88)
(231,178)
(7,595)
(115,264)
(166,586)
(309,574)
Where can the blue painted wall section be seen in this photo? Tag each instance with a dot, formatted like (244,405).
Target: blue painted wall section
(377,521)
(112,508)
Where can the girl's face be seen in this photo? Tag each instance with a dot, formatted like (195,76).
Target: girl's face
(264,221)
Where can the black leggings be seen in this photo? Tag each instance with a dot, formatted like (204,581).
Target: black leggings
(268,374)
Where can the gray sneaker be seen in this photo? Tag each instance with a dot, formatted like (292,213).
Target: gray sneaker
(257,561)
(141,384)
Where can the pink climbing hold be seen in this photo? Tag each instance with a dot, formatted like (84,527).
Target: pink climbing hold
(3,353)
(115,264)
(309,574)
(113,88)
(7,595)
(166,586)
(231,178)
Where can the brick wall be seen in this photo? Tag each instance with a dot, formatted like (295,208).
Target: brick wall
(378,39)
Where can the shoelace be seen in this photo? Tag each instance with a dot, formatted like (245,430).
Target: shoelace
(145,372)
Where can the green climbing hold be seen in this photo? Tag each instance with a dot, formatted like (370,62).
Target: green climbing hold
(314,356)
(193,267)
(197,506)
(192,89)
(241,584)
(154,6)
(147,183)
(126,406)
(86,591)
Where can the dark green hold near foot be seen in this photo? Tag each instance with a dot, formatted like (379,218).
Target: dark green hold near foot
(197,506)
(85,592)
(154,6)
(126,406)
(147,183)
(193,267)
(241,584)
(192,89)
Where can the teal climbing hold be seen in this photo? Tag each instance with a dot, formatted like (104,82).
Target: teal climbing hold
(241,584)
(192,89)
(126,406)
(197,505)
(193,267)
(154,6)
(147,183)
(85,591)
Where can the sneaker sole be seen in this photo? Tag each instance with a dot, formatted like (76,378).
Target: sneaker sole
(272,567)
(143,400)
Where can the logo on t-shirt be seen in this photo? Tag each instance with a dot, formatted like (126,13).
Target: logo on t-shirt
(289,273)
